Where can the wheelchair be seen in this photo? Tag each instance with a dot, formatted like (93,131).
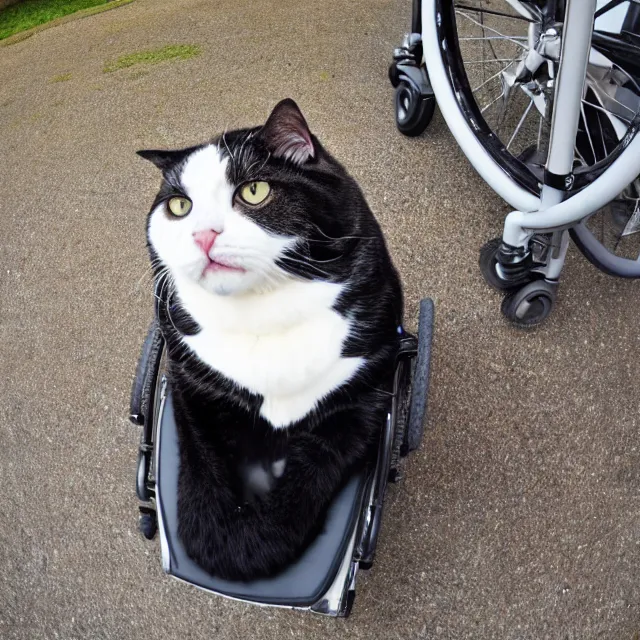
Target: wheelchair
(323,579)
(543,98)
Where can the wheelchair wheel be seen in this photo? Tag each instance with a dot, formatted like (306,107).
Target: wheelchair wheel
(529,306)
(145,377)
(420,382)
(508,105)
(148,522)
(413,112)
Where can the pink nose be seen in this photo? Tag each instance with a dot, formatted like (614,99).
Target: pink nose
(205,239)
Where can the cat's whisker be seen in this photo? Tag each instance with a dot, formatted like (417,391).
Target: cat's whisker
(340,257)
(307,264)
(231,158)
(273,276)
(145,276)
(382,391)
(149,272)
(332,240)
(162,283)
(241,158)
(321,232)
(250,168)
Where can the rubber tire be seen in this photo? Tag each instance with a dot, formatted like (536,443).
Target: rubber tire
(348,608)
(413,119)
(487,263)
(146,373)
(394,75)
(542,292)
(420,382)
(148,524)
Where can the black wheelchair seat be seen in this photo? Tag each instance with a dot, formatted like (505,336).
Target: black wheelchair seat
(302,584)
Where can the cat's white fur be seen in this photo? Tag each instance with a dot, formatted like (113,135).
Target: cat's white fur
(268,332)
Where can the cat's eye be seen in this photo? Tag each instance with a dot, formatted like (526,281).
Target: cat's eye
(255,192)
(178,206)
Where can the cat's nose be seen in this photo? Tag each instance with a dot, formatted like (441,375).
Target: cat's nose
(205,239)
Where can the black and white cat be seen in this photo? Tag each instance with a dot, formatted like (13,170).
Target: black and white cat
(281,310)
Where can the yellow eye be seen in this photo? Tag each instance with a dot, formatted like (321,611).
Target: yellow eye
(179,206)
(255,192)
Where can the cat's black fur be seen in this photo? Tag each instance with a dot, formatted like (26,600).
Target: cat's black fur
(226,528)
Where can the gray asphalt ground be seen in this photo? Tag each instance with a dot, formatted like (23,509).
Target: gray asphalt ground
(519,517)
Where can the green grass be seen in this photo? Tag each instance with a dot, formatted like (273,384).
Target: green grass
(31,13)
(61,78)
(153,56)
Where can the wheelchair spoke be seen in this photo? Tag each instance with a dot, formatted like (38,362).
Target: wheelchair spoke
(492,102)
(522,119)
(624,106)
(539,129)
(510,39)
(587,127)
(489,79)
(602,138)
(481,24)
(600,108)
(490,61)
(492,12)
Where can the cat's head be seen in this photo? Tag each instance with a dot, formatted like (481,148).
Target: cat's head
(250,209)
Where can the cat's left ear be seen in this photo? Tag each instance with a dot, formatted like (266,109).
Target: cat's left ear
(286,133)
(162,159)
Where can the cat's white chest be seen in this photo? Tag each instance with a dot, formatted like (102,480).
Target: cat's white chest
(284,345)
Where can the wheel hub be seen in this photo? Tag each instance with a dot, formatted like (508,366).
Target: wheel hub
(534,71)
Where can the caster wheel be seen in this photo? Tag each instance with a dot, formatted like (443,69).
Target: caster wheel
(148,523)
(394,76)
(413,112)
(530,305)
(488,262)
(348,608)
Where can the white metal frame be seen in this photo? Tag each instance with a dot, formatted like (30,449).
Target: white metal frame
(550,211)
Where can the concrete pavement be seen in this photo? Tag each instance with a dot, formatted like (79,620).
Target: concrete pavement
(519,517)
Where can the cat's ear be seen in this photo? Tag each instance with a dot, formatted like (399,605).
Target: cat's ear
(162,159)
(286,133)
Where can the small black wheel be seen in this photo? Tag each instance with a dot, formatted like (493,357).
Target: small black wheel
(530,305)
(148,523)
(413,112)
(348,606)
(488,263)
(394,75)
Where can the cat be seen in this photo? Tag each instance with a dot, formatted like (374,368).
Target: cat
(281,309)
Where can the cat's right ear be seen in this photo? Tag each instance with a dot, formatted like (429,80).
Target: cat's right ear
(162,159)
(286,133)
